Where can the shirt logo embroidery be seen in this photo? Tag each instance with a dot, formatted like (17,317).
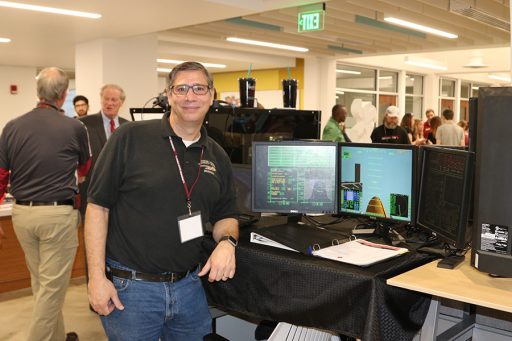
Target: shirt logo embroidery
(208,167)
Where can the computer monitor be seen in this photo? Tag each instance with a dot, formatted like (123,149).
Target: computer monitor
(143,114)
(294,177)
(236,128)
(378,181)
(444,194)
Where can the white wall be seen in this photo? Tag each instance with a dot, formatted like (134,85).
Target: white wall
(15,105)
(129,62)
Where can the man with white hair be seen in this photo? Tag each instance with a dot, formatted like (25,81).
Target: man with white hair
(40,152)
(390,131)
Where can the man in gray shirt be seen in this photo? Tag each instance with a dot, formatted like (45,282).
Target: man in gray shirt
(449,133)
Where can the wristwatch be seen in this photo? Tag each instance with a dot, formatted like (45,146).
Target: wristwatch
(232,240)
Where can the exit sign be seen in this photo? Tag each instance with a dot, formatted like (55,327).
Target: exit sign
(310,21)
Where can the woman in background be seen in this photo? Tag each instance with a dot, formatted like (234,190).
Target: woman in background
(417,130)
(407,125)
(465,125)
(435,123)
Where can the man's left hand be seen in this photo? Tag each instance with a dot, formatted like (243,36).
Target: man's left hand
(221,263)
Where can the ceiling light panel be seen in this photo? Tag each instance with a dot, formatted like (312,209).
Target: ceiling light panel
(45,9)
(421,28)
(266,44)
(5,40)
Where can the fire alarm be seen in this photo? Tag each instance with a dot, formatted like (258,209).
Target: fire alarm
(14,89)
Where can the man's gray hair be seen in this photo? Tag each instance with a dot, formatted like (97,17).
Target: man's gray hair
(52,83)
(190,66)
(115,87)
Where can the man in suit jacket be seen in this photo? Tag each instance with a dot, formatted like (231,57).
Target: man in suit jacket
(100,126)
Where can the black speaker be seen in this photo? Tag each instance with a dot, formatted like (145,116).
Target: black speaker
(492,222)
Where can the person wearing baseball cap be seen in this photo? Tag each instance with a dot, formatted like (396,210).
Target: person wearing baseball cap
(390,131)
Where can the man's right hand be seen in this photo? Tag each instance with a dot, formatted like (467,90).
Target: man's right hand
(103,296)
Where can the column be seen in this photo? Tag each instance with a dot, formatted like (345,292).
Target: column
(320,86)
(129,62)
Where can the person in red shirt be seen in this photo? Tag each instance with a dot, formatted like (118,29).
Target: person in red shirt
(426,126)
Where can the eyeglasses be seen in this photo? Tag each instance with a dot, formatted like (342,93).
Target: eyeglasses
(182,89)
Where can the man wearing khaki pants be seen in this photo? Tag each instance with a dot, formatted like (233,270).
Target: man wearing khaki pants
(40,152)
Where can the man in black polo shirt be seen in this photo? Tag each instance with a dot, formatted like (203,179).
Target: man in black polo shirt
(390,131)
(153,189)
(39,153)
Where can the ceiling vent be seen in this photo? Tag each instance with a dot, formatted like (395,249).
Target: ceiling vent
(469,10)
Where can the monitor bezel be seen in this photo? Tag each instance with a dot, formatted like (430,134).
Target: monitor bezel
(255,146)
(414,183)
(461,238)
(155,113)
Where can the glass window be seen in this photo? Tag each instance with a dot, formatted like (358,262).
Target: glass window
(464,89)
(353,77)
(414,105)
(447,88)
(68,107)
(388,81)
(464,110)
(384,102)
(347,98)
(414,84)
(445,104)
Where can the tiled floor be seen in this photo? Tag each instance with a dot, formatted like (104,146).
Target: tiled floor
(16,309)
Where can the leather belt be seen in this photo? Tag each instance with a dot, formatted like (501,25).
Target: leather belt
(141,276)
(45,203)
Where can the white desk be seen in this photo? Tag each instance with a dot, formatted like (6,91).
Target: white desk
(464,283)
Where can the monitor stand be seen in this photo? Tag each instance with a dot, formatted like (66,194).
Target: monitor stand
(448,261)
(387,232)
(293,219)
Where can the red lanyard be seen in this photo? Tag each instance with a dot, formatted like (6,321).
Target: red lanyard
(188,192)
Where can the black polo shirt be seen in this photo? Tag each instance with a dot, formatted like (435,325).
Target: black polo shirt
(398,135)
(42,149)
(137,178)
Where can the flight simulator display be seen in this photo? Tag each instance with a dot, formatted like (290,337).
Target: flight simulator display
(294,177)
(377,181)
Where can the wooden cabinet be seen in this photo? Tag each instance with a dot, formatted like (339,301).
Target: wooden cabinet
(13,270)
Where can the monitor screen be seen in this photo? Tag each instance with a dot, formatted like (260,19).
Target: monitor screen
(294,177)
(242,177)
(378,181)
(445,190)
(236,128)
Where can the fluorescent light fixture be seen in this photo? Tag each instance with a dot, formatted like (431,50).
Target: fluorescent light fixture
(350,72)
(421,28)
(340,91)
(267,44)
(500,78)
(475,87)
(174,61)
(429,64)
(46,9)
(386,77)
(162,69)
(5,40)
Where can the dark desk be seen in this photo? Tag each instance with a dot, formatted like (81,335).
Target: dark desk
(280,285)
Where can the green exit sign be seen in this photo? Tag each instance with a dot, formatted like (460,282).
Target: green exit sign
(310,21)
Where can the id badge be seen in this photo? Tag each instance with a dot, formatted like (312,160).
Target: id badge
(190,226)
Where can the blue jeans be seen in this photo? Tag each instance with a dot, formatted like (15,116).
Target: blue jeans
(158,310)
